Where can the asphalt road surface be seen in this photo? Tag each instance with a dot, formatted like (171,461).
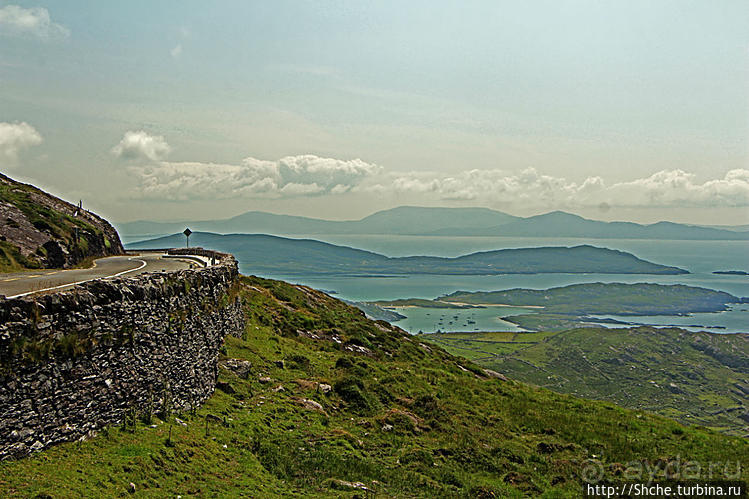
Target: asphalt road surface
(23,283)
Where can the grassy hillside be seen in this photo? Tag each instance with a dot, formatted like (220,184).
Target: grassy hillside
(271,255)
(698,378)
(317,401)
(38,230)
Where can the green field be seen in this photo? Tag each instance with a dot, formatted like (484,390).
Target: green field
(481,347)
(402,416)
(694,377)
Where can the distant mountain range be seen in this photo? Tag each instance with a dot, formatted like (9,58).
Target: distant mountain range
(411,220)
(735,228)
(278,256)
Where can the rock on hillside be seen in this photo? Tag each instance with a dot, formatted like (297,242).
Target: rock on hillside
(38,230)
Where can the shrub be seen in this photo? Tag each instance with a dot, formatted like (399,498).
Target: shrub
(353,392)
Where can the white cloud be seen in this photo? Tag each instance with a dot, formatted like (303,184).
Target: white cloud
(176,51)
(141,145)
(14,137)
(292,176)
(15,20)
(309,175)
(679,188)
(485,184)
(668,188)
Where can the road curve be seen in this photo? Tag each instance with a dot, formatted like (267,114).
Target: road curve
(21,284)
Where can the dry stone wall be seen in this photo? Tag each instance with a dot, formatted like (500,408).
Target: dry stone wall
(76,361)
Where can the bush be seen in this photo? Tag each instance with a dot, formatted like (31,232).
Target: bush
(298,362)
(427,407)
(353,392)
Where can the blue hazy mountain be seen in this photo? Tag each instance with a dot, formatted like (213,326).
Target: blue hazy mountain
(401,220)
(411,220)
(272,255)
(562,224)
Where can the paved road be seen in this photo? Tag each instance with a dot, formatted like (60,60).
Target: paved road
(23,283)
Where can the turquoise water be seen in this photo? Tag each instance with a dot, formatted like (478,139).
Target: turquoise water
(695,256)
(431,320)
(432,286)
(734,320)
(699,257)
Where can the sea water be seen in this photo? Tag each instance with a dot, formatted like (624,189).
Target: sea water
(701,258)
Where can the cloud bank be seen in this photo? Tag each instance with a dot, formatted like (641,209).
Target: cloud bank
(679,188)
(15,137)
(16,20)
(667,188)
(309,175)
(141,146)
(305,175)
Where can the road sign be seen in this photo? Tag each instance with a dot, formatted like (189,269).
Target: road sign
(187,233)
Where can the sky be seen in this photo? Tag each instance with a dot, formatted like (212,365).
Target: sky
(176,110)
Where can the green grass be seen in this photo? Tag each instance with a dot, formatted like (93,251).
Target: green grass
(547,322)
(481,347)
(404,417)
(692,377)
(42,217)
(11,259)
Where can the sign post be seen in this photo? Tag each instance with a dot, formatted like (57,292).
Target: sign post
(187,233)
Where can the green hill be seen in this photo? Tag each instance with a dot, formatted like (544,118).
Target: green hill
(318,401)
(279,256)
(38,230)
(605,298)
(698,378)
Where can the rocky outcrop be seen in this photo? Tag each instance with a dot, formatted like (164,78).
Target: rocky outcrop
(76,361)
(41,230)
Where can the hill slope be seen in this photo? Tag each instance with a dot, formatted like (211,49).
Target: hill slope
(38,230)
(271,255)
(693,377)
(317,401)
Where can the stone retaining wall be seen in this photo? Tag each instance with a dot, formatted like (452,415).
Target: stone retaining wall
(75,361)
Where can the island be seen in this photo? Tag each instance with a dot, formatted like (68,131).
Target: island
(270,255)
(605,299)
(578,305)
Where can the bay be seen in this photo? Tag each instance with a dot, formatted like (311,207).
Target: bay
(432,320)
(733,320)
(701,258)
